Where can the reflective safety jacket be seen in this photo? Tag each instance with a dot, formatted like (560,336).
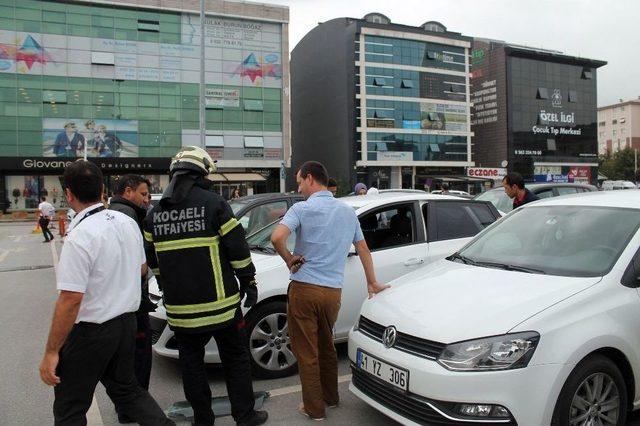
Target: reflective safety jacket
(196,249)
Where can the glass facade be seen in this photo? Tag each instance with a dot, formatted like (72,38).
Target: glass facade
(412,115)
(124,82)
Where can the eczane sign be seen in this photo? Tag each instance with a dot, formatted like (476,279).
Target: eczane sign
(486,172)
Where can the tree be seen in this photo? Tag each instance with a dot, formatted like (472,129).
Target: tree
(619,166)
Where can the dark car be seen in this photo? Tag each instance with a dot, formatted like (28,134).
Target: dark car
(503,203)
(257,211)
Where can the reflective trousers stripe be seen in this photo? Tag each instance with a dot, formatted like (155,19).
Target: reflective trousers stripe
(228,227)
(239,264)
(202,321)
(148,236)
(203,307)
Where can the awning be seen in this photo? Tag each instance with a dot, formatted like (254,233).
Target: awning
(217,177)
(244,177)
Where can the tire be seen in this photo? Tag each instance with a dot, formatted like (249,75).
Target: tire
(595,374)
(269,344)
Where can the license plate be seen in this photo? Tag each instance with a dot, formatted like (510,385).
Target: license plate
(398,377)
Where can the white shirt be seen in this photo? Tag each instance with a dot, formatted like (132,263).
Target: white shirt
(101,258)
(46,209)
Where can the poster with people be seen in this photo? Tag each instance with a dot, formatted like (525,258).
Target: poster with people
(103,138)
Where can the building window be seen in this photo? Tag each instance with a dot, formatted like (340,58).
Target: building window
(614,133)
(543,93)
(602,123)
(407,84)
(381,114)
(54,97)
(253,105)
(433,116)
(457,88)
(102,58)
(379,81)
(214,141)
(614,121)
(431,55)
(551,144)
(253,142)
(573,96)
(587,74)
(148,26)
(623,120)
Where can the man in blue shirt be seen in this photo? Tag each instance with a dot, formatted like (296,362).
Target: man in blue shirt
(325,229)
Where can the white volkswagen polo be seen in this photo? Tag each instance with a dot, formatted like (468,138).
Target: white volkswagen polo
(404,232)
(536,321)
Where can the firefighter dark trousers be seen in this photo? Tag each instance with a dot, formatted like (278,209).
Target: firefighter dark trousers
(234,353)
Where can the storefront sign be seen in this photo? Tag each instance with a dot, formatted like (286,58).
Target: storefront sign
(222,98)
(273,153)
(50,165)
(216,153)
(395,156)
(486,172)
(554,178)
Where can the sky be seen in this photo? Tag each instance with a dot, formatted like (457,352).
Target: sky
(596,29)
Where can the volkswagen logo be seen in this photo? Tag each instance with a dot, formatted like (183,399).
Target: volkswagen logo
(389,337)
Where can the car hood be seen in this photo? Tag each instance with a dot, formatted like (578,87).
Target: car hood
(449,302)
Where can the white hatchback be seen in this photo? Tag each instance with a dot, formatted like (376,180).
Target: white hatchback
(536,321)
(403,230)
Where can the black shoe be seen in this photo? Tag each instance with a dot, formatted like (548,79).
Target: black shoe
(258,418)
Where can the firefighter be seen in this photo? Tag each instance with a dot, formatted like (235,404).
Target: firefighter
(197,249)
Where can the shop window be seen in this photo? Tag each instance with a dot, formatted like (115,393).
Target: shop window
(148,26)
(253,142)
(543,93)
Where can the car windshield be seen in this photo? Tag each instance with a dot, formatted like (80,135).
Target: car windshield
(573,241)
(498,198)
(261,240)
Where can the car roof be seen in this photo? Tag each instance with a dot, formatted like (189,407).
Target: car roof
(621,199)
(535,186)
(268,196)
(359,201)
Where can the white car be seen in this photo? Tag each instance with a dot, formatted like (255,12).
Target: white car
(536,321)
(403,231)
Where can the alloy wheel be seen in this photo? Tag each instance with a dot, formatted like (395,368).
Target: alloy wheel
(596,402)
(269,343)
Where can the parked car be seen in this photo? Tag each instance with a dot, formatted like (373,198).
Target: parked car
(503,203)
(534,322)
(455,192)
(403,231)
(614,185)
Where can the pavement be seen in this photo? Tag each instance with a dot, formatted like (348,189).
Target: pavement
(27,297)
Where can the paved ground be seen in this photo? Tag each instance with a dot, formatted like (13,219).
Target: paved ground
(27,295)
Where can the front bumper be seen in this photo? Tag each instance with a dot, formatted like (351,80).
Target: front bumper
(433,390)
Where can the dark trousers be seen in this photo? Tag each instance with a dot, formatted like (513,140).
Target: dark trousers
(234,354)
(143,355)
(102,353)
(44,225)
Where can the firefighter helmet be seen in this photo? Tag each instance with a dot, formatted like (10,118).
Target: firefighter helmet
(193,158)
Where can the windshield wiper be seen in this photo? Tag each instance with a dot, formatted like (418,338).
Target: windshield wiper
(463,259)
(508,267)
(262,249)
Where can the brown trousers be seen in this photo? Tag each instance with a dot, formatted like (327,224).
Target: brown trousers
(312,311)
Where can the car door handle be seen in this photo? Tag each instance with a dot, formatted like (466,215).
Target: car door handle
(414,261)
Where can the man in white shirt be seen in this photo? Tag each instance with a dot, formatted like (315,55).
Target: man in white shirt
(47,213)
(92,337)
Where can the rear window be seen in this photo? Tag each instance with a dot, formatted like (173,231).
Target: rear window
(454,220)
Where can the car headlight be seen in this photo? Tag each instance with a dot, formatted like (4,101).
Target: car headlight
(504,352)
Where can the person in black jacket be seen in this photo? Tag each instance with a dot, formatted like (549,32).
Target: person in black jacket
(131,196)
(197,249)
(513,185)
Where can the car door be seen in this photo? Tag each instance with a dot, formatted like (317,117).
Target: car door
(261,215)
(451,224)
(395,236)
